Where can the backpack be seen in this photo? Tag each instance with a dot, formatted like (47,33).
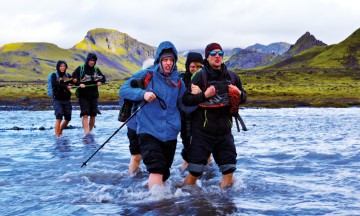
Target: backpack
(221,98)
(125,110)
(204,77)
(233,99)
(82,68)
(50,88)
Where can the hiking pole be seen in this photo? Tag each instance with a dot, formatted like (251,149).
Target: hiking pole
(243,126)
(74,86)
(134,113)
(237,123)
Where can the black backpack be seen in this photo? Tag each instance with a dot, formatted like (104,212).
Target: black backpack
(232,75)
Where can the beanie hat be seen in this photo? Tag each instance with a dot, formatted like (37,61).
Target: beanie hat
(211,47)
(164,54)
(167,53)
(193,57)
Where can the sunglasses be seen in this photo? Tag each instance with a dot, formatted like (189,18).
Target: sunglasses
(213,53)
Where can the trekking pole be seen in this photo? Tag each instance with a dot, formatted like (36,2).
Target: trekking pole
(237,123)
(85,86)
(134,113)
(243,126)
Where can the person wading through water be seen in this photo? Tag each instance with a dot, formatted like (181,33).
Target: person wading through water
(61,95)
(89,78)
(212,122)
(193,63)
(158,122)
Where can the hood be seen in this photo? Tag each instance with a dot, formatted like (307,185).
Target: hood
(89,57)
(60,62)
(166,45)
(193,57)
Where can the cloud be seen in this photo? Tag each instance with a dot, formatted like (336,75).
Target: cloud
(189,24)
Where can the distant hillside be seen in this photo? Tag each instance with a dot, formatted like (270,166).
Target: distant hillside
(32,61)
(344,55)
(256,55)
(273,48)
(119,56)
(305,42)
(227,52)
(247,58)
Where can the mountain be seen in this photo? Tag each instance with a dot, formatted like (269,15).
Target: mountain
(305,42)
(227,52)
(31,61)
(345,55)
(256,55)
(119,56)
(246,58)
(274,48)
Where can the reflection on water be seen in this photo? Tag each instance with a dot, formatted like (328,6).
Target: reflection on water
(300,161)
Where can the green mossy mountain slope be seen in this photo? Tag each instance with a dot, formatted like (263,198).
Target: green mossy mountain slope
(119,56)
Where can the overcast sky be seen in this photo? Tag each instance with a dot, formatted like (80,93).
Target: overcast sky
(189,24)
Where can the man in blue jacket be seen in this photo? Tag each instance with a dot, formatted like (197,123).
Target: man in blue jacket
(158,122)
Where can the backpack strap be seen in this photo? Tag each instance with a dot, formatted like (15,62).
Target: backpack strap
(204,78)
(232,76)
(56,75)
(148,77)
(82,68)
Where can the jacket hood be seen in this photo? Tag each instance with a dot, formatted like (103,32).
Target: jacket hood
(166,45)
(90,56)
(193,57)
(60,62)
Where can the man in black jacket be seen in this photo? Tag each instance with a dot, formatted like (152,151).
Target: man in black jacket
(212,122)
(89,78)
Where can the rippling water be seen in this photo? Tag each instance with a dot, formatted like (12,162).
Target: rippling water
(302,161)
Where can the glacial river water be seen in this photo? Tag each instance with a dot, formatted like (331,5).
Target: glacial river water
(296,161)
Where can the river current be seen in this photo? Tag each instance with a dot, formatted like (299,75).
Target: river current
(291,161)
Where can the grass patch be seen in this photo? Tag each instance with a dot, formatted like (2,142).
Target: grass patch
(303,87)
(265,88)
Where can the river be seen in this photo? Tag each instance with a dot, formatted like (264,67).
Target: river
(291,161)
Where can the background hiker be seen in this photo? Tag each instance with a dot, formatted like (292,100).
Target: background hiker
(89,78)
(212,122)
(193,63)
(158,122)
(134,145)
(61,94)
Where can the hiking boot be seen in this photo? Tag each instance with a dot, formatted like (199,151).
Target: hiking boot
(66,79)
(87,78)
(97,78)
(216,101)
(234,99)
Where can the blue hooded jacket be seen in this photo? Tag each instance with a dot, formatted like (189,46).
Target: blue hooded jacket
(161,122)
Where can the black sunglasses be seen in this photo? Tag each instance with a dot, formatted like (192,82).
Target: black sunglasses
(213,53)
